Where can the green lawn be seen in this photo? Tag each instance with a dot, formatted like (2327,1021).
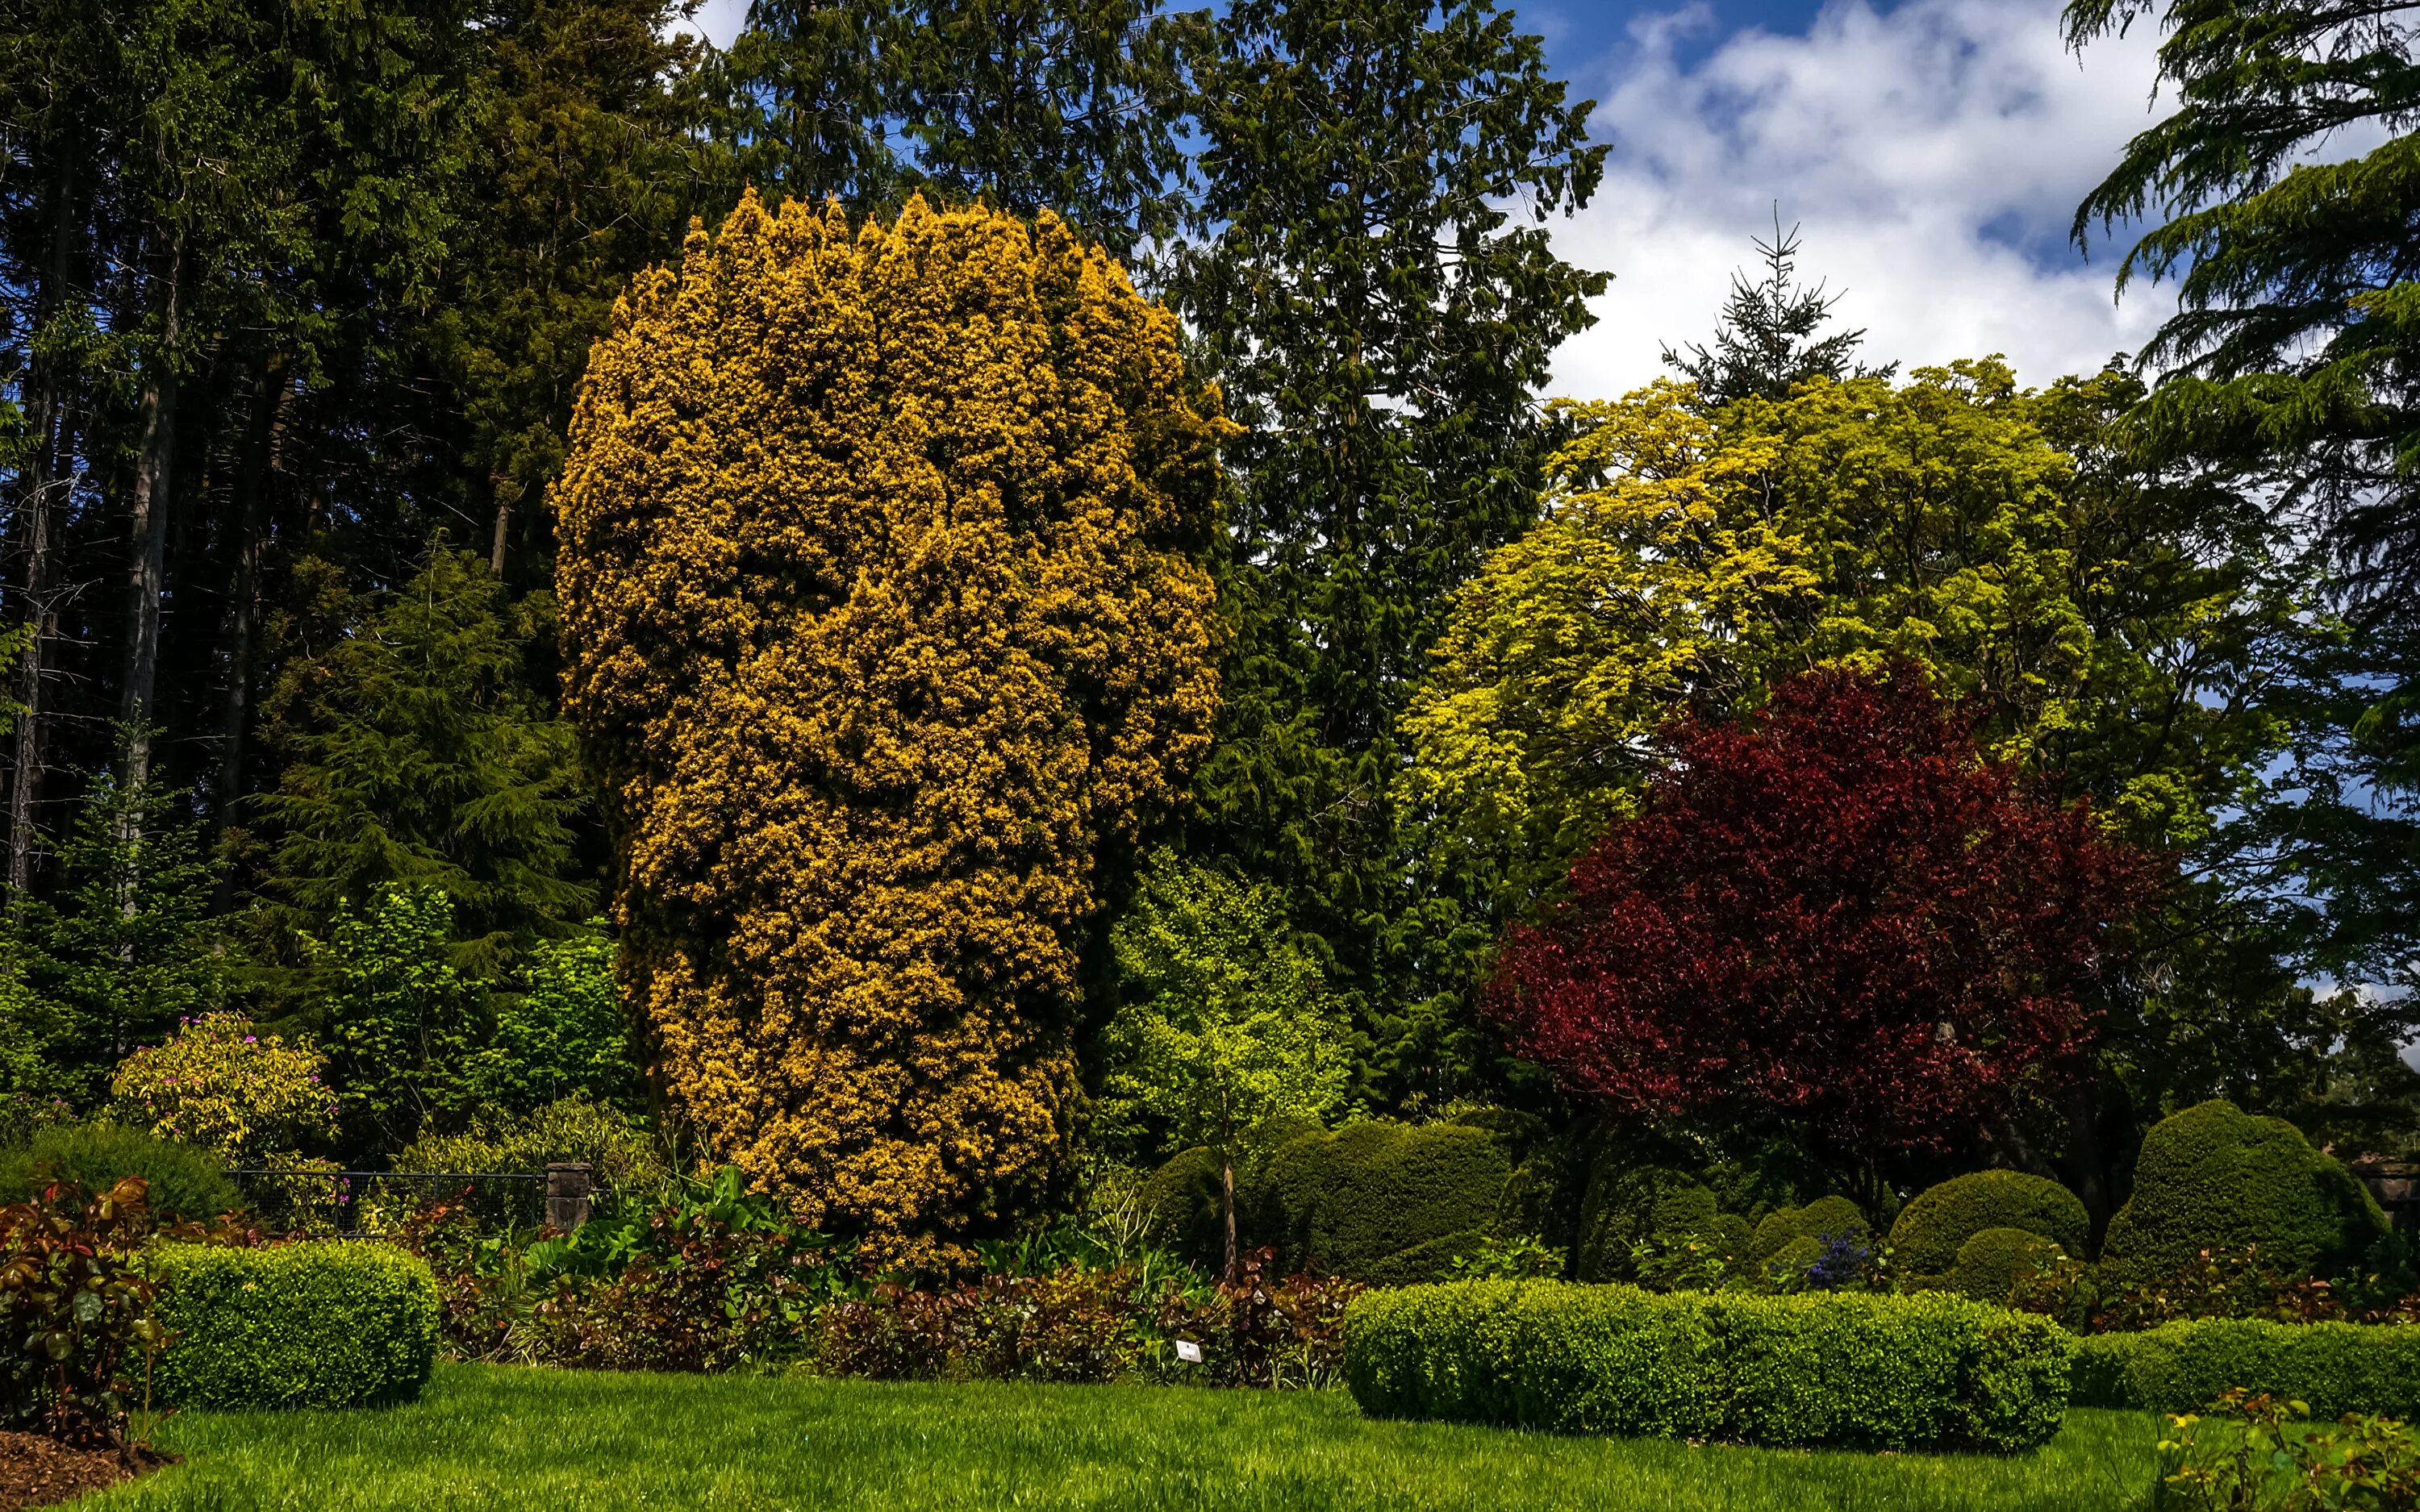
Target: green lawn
(559,1441)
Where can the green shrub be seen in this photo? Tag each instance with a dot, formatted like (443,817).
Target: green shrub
(1180,1202)
(1385,1203)
(182,1181)
(1658,1207)
(2214,1178)
(1791,1232)
(624,1158)
(1931,1229)
(2333,1369)
(1991,1263)
(1855,1369)
(333,1323)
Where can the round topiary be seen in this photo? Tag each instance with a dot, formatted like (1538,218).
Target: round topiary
(1627,1204)
(1387,1203)
(2215,1178)
(1181,1207)
(1987,1266)
(1931,1229)
(1835,1217)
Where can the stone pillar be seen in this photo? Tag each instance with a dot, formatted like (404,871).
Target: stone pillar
(567,1195)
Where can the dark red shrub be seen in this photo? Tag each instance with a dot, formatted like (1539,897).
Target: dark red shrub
(1838,913)
(78,1337)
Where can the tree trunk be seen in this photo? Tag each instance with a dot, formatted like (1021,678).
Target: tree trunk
(2086,1178)
(148,569)
(505,492)
(1227,1201)
(260,465)
(45,421)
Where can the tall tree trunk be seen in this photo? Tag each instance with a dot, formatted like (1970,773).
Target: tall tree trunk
(263,450)
(45,417)
(1227,1201)
(148,569)
(506,490)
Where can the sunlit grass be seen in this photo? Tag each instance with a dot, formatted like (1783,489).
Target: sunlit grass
(559,1441)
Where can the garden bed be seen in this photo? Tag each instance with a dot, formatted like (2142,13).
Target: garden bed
(498,1439)
(38,1471)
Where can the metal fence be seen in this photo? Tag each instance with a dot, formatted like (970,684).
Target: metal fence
(348,1204)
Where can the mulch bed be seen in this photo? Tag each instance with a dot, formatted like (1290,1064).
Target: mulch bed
(38,1471)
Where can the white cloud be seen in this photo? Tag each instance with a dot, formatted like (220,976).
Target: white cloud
(718,20)
(1934,155)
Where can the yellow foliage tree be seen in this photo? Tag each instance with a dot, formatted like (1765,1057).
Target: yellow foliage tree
(885,617)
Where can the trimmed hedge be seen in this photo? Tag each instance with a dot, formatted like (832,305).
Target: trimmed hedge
(1933,1227)
(333,1323)
(2182,1368)
(2216,1178)
(1989,1263)
(1385,1203)
(184,1181)
(1850,1368)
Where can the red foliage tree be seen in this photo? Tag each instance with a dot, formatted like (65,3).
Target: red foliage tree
(1838,913)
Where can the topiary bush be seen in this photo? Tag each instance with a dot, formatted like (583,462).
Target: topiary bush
(1790,1230)
(1991,1263)
(1852,1369)
(181,1181)
(1385,1203)
(1940,1219)
(2215,1178)
(2335,1368)
(333,1324)
(1658,1206)
(1181,1205)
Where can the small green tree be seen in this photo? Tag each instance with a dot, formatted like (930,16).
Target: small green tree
(1226,1021)
(401,1023)
(126,948)
(565,1036)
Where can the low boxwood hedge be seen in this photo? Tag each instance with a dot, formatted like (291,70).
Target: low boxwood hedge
(1880,1372)
(331,1323)
(2183,1368)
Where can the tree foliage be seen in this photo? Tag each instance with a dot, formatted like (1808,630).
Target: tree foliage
(886,632)
(254,1099)
(1225,1024)
(1766,340)
(401,1024)
(1378,296)
(1839,915)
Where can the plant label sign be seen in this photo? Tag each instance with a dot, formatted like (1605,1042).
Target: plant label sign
(1189,1351)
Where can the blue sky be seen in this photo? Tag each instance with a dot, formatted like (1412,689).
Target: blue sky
(1932,152)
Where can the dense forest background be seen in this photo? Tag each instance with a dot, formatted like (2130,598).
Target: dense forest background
(298,294)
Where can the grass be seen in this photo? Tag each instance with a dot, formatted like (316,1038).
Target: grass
(490,1437)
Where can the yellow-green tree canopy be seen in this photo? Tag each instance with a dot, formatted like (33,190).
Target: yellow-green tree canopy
(2112,626)
(884,618)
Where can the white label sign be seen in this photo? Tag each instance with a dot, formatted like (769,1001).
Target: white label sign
(1189,1351)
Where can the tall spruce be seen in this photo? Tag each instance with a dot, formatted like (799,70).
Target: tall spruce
(1377,295)
(1770,336)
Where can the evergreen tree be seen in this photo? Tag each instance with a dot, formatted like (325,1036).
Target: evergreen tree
(1377,296)
(416,752)
(1765,341)
(2294,359)
(127,948)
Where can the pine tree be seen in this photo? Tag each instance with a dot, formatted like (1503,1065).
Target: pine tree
(1765,341)
(416,752)
(127,947)
(1379,298)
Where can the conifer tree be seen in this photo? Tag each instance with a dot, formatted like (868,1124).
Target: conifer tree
(416,752)
(1379,299)
(887,635)
(1765,340)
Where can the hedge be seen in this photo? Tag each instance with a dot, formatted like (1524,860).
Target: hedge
(1848,1368)
(184,1181)
(1385,1203)
(1627,1204)
(1940,1219)
(2216,1178)
(2182,1368)
(331,1323)
(1795,1236)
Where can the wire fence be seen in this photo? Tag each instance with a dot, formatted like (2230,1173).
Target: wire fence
(350,1204)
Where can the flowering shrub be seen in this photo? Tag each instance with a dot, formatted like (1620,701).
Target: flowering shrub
(214,1083)
(78,1337)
